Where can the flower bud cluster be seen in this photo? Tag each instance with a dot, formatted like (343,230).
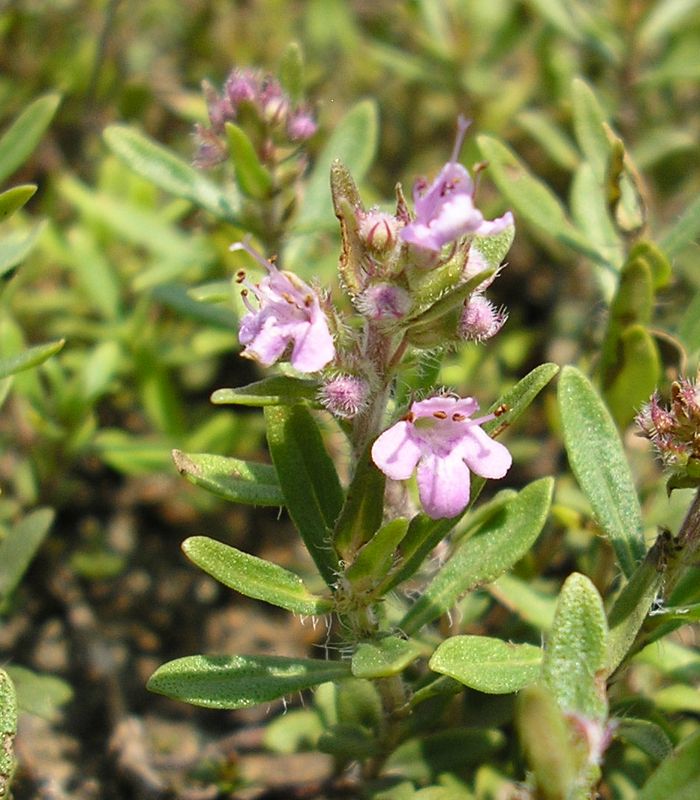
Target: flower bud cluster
(675,431)
(250,92)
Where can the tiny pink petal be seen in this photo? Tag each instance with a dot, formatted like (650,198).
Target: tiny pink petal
(443,485)
(395,452)
(483,455)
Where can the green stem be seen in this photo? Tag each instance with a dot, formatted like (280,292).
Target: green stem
(687,545)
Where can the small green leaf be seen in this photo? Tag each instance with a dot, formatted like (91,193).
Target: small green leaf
(16,245)
(487,554)
(168,172)
(530,197)
(546,740)
(376,558)
(20,139)
(252,177)
(575,655)
(647,736)
(386,657)
(29,358)
(291,71)
(312,492)
(39,694)
(683,232)
(235,480)
(550,137)
(347,742)
(632,605)
(14,198)
(598,462)
(588,125)
(241,681)
(278,390)
(8,730)
(531,604)
(677,776)
(254,577)
(486,664)
(19,547)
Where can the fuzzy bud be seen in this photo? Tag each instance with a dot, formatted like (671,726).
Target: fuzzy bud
(378,230)
(384,302)
(344,396)
(480,319)
(301,126)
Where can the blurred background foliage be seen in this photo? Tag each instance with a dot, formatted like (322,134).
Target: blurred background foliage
(111,270)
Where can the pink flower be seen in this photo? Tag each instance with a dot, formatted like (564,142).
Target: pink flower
(445,209)
(289,313)
(438,437)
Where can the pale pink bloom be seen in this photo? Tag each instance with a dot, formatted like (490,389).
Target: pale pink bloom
(481,319)
(345,395)
(438,438)
(289,314)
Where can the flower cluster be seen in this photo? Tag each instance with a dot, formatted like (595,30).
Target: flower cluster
(416,280)
(250,91)
(675,431)
(439,439)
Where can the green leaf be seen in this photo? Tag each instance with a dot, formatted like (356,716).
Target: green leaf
(376,558)
(20,139)
(546,739)
(254,577)
(14,198)
(278,390)
(588,126)
(29,358)
(663,19)
(291,71)
(575,655)
(252,177)
(168,172)
(683,232)
(235,480)
(312,492)
(293,732)
(18,548)
(487,554)
(598,462)
(486,664)
(550,137)
(241,681)
(531,198)
(531,604)
(8,730)
(632,605)
(39,694)
(647,736)
(386,657)
(677,776)
(16,245)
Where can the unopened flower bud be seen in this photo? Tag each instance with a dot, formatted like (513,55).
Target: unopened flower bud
(210,149)
(378,230)
(345,395)
(385,302)
(241,87)
(480,319)
(301,126)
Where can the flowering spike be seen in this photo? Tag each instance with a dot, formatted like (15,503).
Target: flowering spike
(345,395)
(481,319)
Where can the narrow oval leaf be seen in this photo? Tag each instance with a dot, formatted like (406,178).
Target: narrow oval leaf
(16,245)
(8,731)
(13,199)
(241,681)
(230,478)
(278,390)
(598,462)
(530,197)
(501,542)
(374,560)
(29,358)
(310,485)
(588,126)
(683,232)
(252,177)
(384,658)
(486,664)
(254,577)
(168,172)
(19,546)
(678,776)
(647,736)
(20,139)
(574,658)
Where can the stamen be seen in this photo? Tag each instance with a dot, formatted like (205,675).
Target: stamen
(240,276)
(247,303)
(440,414)
(253,253)
(409,417)
(462,124)
(457,417)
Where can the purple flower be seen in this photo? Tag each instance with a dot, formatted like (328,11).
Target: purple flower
(445,209)
(438,436)
(480,319)
(289,313)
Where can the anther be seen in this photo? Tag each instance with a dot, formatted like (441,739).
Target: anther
(440,414)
